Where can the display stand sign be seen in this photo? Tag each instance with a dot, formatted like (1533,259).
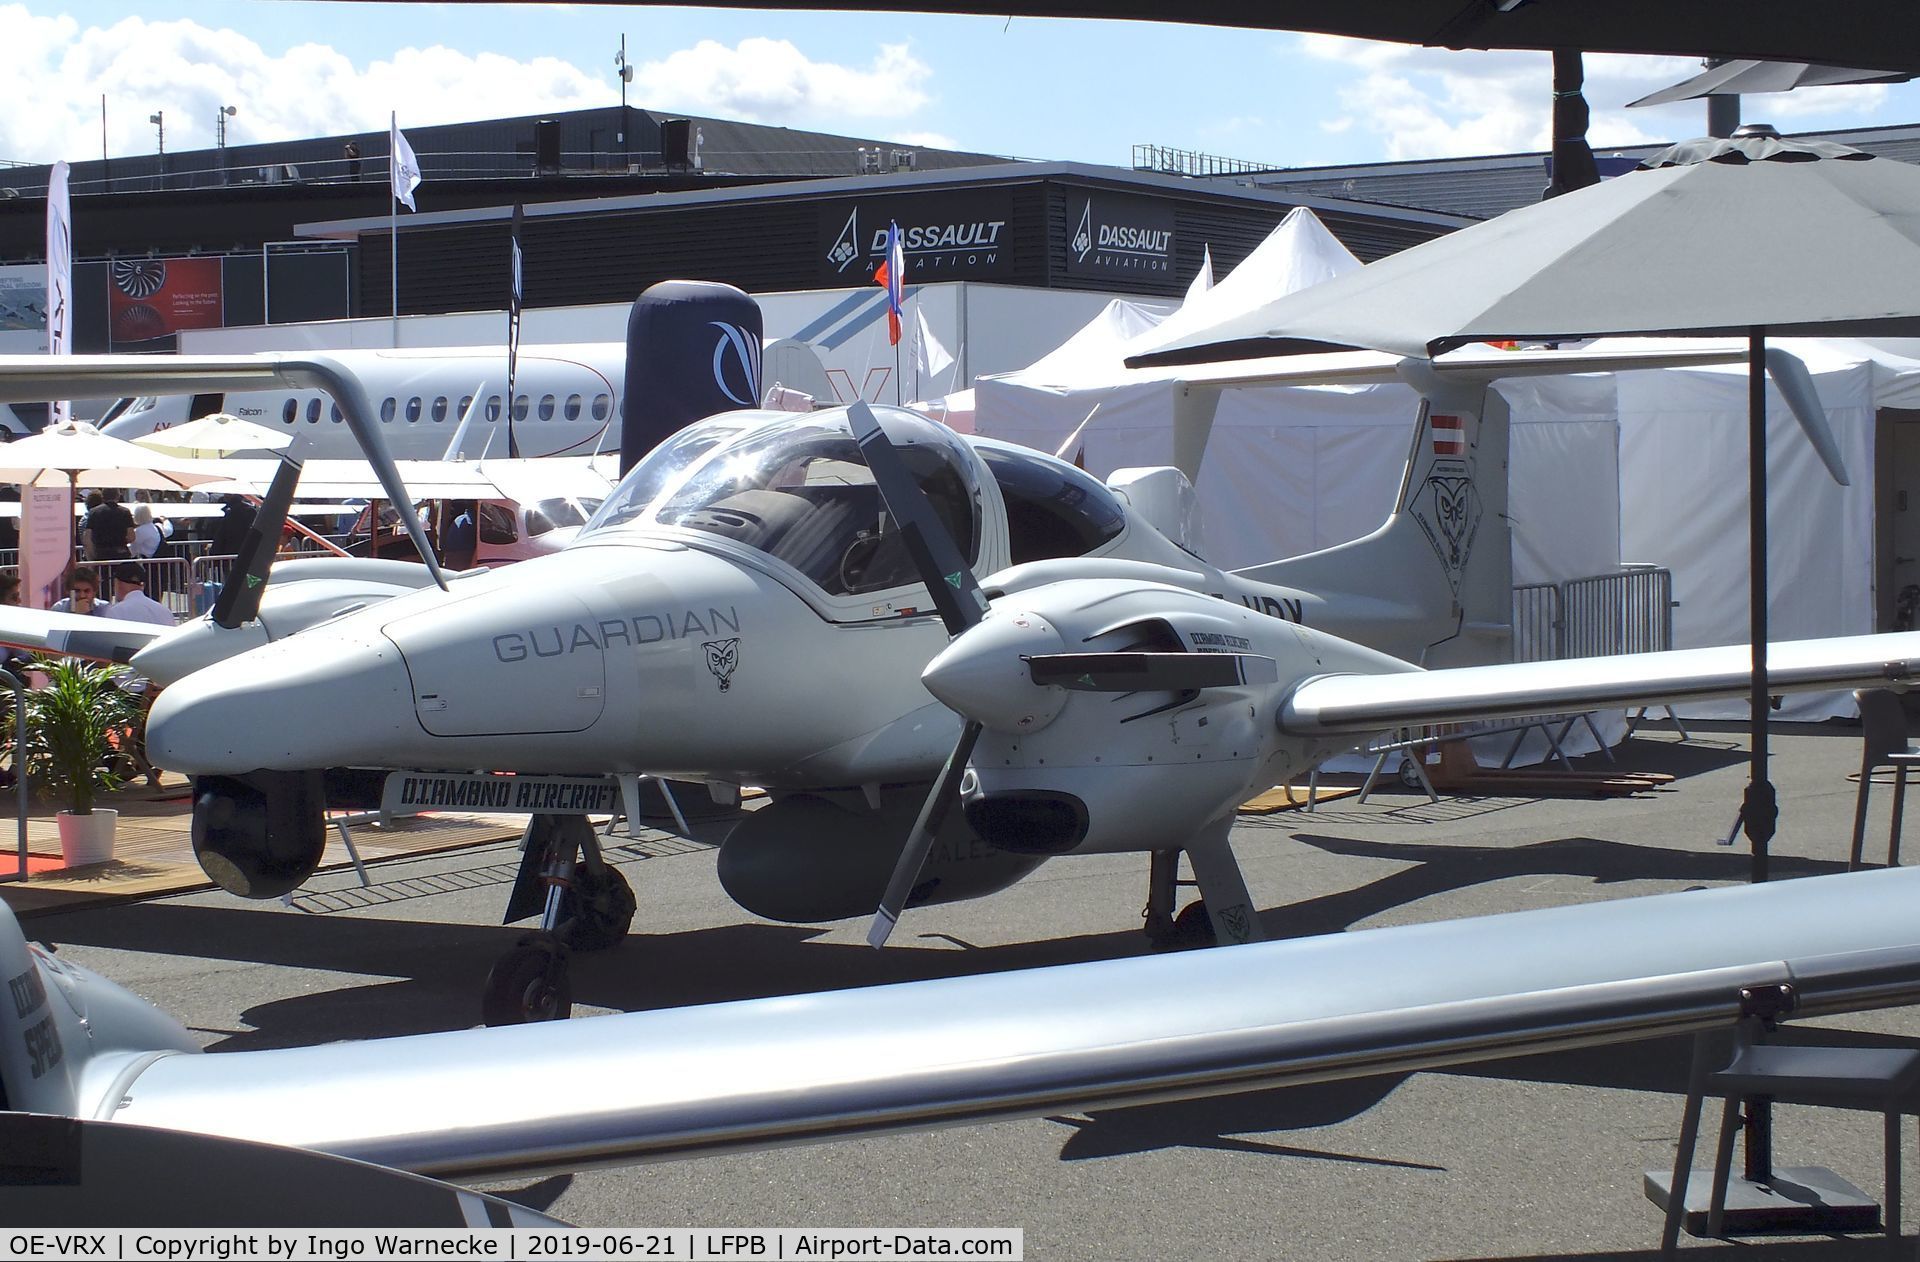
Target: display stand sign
(46,543)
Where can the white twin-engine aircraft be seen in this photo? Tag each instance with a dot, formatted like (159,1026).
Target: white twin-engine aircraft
(749,608)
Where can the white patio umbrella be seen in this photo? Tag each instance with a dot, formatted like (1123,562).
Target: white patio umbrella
(1744,237)
(79,455)
(213,436)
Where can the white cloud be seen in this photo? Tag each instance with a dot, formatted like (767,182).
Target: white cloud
(1432,103)
(771,81)
(56,71)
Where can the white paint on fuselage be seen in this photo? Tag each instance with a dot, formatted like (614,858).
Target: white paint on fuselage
(571,397)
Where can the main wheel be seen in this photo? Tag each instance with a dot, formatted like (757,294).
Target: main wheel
(528,983)
(1193,927)
(599,910)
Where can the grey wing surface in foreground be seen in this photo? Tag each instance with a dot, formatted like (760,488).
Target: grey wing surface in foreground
(800,1068)
(1373,703)
(75,634)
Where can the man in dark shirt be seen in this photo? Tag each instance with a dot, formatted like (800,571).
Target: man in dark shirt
(235,521)
(109,528)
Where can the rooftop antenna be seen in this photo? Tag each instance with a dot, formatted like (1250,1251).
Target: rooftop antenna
(625,68)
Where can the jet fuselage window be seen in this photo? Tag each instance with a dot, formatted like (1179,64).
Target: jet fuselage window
(602,406)
(289,411)
(493,407)
(387,407)
(520,402)
(465,404)
(440,408)
(1053,509)
(335,410)
(313,411)
(546,407)
(572,411)
(413,409)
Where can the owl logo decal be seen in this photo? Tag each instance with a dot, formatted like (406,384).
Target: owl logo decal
(722,657)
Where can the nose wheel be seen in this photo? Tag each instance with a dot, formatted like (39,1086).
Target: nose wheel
(584,904)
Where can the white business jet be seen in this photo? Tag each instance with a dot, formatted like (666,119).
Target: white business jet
(566,402)
(745,609)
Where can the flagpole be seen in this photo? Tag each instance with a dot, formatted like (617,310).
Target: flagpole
(393,223)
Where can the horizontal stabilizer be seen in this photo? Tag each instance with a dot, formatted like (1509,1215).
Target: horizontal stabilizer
(1377,703)
(1150,672)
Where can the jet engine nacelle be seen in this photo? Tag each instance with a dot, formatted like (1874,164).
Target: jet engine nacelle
(807,858)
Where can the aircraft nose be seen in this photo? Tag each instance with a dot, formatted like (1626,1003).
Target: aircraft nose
(298,704)
(983,674)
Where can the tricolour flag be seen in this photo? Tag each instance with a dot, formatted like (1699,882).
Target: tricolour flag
(1449,435)
(931,357)
(892,273)
(403,169)
(59,276)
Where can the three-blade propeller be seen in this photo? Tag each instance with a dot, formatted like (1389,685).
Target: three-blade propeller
(961,604)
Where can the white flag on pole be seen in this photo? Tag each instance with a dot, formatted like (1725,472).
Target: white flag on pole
(1202,279)
(931,356)
(59,275)
(403,169)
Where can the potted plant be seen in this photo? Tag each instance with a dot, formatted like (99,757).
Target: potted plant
(69,750)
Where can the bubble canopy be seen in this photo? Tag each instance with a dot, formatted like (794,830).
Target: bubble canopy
(794,486)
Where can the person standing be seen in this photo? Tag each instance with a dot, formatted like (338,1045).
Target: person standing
(149,532)
(461,540)
(235,521)
(108,528)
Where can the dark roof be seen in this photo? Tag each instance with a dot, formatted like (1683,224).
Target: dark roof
(1483,187)
(590,143)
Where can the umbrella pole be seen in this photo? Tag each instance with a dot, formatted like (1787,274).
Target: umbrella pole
(1759,810)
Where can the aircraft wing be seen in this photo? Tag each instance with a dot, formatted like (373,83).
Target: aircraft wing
(687,1081)
(1376,703)
(75,634)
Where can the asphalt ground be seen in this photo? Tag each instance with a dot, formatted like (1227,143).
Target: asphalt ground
(1527,1158)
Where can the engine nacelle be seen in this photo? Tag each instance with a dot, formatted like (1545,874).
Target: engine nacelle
(805,858)
(260,835)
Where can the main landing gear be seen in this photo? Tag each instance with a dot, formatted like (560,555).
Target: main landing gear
(1217,877)
(584,904)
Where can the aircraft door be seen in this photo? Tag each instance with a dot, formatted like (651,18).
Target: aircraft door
(1896,513)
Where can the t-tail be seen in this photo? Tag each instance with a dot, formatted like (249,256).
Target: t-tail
(1434,584)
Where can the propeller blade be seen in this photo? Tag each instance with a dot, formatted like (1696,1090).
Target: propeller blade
(1796,387)
(240,597)
(1150,672)
(949,580)
(906,873)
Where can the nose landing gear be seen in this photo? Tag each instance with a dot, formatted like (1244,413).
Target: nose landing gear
(584,904)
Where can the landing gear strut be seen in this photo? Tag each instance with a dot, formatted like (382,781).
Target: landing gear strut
(1166,931)
(1217,876)
(584,904)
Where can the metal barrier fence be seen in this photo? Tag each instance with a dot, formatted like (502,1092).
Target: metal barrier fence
(1627,612)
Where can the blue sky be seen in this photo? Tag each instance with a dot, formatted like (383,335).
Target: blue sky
(1084,91)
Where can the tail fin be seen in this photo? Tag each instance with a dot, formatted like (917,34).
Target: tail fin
(1434,584)
(57,1019)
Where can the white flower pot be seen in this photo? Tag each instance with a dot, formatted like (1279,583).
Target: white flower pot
(87,838)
